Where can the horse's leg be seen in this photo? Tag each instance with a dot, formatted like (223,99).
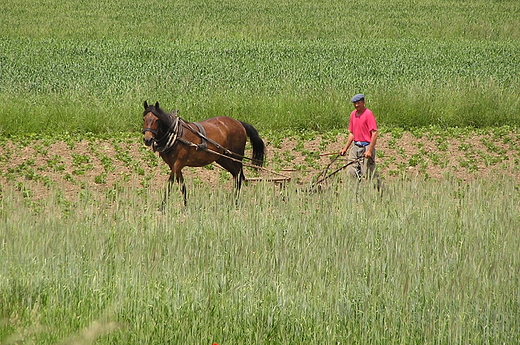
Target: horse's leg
(235,169)
(239,178)
(168,190)
(180,181)
(175,177)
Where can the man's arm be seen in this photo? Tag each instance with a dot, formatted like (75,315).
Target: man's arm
(350,139)
(370,149)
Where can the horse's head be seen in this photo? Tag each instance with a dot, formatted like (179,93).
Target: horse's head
(151,123)
(157,124)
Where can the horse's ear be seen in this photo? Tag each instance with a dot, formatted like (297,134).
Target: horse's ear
(157,105)
(145,104)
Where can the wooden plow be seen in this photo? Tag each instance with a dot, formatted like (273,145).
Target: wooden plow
(281,178)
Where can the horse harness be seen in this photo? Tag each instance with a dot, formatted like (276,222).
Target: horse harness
(202,134)
(169,139)
(174,135)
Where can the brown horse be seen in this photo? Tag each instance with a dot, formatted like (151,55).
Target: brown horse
(219,139)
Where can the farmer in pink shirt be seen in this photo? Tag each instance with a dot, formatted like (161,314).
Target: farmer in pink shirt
(363,133)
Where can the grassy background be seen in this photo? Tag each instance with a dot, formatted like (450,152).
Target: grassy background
(318,270)
(268,20)
(88,66)
(435,262)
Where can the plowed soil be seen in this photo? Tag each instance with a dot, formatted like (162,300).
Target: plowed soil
(39,166)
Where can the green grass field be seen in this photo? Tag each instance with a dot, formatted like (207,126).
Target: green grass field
(341,266)
(434,262)
(88,67)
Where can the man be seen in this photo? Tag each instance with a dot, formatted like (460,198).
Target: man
(363,133)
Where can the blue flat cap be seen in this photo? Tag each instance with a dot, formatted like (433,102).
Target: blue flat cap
(357,98)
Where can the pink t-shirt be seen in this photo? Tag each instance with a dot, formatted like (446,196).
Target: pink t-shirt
(362,126)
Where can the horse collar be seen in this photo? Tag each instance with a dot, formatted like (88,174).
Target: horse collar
(168,141)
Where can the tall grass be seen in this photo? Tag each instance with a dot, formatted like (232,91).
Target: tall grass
(88,66)
(193,20)
(99,86)
(430,262)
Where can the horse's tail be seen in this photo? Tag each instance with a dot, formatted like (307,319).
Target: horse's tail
(257,143)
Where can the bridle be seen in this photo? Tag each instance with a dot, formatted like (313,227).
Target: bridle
(148,129)
(169,139)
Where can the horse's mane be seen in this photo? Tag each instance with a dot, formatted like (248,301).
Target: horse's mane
(164,118)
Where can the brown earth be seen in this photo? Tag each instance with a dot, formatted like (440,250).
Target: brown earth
(38,166)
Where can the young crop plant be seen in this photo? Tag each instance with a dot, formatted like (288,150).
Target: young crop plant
(81,163)
(415,160)
(308,135)
(516,164)
(41,150)
(276,159)
(312,159)
(78,159)
(145,181)
(492,147)
(288,156)
(492,160)
(323,144)
(402,167)
(107,163)
(223,176)
(26,192)
(138,169)
(442,143)
(70,141)
(465,147)
(275,140)
(397,132)
(502,133)
(26,170)
(392,143)
(148,156)
(469,163)
(68,177)
(129,161)
(393,172)
(299,146)
(386,162)
(123,155)
(125,177)
(423,168)
(56,163)
(6,155)
(418,132)
(101,178)
(197,182)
